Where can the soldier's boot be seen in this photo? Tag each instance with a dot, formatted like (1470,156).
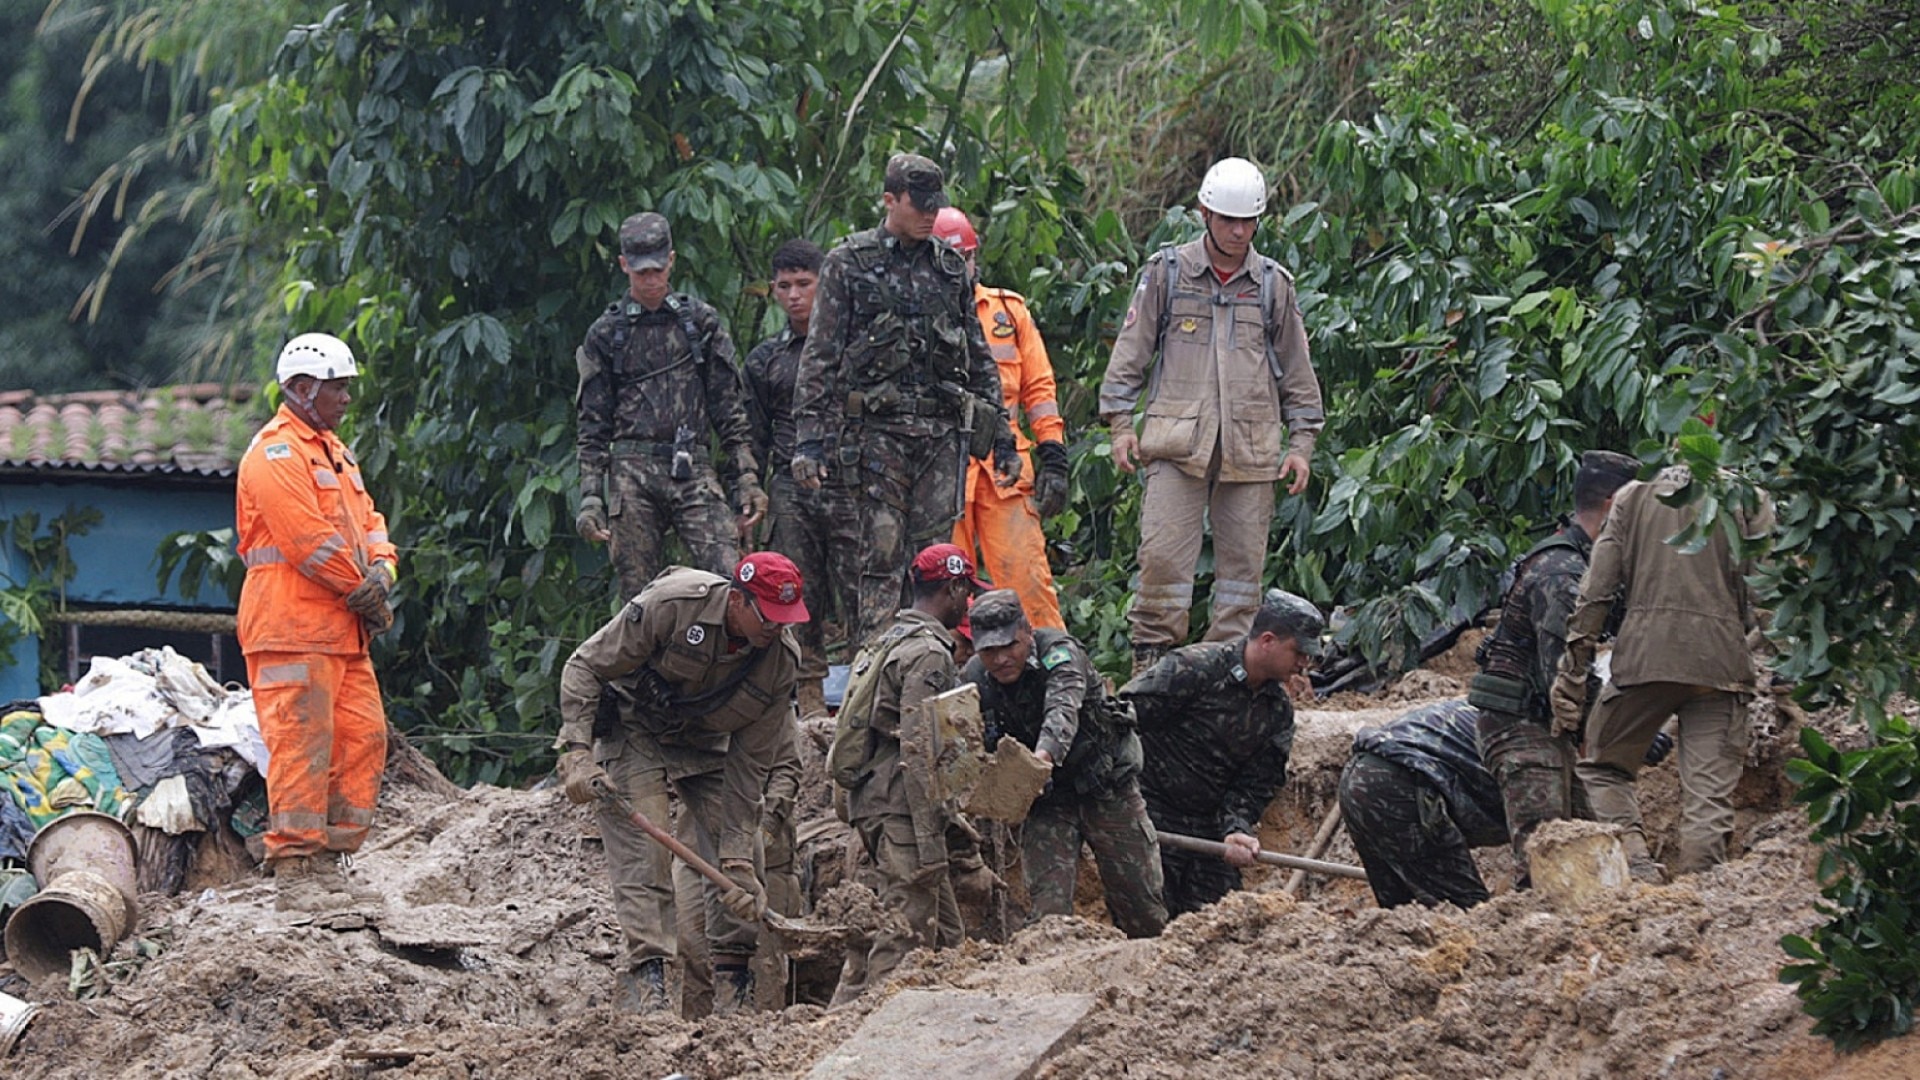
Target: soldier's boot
(732,985)
(300,886)
(642,989)
(812,697)
(333,867)
(1145,656)
(1643,869)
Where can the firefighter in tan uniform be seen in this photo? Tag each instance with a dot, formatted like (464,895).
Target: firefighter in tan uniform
(690,686)
(1231,406)
(1003,523)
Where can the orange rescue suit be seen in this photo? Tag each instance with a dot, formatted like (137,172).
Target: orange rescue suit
(1000,522)
(308,532)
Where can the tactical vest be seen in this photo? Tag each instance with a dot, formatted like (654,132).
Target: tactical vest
(1524,697)
(906,339)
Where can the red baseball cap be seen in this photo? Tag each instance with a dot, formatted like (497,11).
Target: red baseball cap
(944,562)
(774,583)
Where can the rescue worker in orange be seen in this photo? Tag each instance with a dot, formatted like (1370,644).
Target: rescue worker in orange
(1003,523)
(320,576)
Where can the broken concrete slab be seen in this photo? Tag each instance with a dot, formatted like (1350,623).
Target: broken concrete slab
(928,1034)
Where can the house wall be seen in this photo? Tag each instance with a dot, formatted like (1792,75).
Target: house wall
(116,561)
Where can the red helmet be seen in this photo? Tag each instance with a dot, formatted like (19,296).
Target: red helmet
(952,226)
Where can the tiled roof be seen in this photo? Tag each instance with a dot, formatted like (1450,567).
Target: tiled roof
(202,428)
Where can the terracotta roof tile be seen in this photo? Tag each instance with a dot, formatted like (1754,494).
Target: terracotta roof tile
(203,427)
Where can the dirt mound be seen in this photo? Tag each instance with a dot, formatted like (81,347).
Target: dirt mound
(493,959)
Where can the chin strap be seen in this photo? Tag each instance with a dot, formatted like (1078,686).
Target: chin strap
(302,406)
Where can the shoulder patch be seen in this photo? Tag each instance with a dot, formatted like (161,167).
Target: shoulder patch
(1002,324)
(276,451)
(1056,656)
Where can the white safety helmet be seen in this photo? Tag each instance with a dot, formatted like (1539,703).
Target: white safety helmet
(1234,187)
(322,356)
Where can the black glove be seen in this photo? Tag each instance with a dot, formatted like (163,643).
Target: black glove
(1006,459)
(1050,485)
(1658,749)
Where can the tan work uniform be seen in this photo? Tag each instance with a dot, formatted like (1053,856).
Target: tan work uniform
(1231,382)
(775,862)
(903,827)
(1681,649)
(717,762)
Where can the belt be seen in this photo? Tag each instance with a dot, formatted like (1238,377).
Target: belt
(933,404)
(640,446)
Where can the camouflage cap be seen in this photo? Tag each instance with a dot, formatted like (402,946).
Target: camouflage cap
(920,178)
(645,241)
(1611,464)
(1287,615)
(997,618)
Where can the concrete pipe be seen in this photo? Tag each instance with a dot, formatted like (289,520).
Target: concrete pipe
(77,910)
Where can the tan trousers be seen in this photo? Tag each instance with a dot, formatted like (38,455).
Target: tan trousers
(775,863)
(930,912)
(1711,753)
(1174,514)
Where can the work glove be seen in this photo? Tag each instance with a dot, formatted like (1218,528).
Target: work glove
(809,465)
(1658,749)
(378,621)
(1050,485)
(1568,696)
(591,522)
(748,898)
(583,777)
(1006,460)
(751,500)
(370,596)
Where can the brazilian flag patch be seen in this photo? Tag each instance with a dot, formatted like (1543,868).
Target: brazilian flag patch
(1056,656)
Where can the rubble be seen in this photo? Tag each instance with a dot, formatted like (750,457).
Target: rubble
(493,958)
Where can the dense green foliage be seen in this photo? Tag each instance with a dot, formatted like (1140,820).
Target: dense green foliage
(1859,974)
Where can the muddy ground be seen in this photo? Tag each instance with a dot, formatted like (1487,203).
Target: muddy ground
(493,957)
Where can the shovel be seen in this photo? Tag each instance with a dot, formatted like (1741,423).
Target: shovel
(1271,858)
(795,936)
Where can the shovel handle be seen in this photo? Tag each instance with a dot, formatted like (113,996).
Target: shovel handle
(1271,858)
(667,840)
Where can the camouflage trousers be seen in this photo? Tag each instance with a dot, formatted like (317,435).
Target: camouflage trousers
(1406,839)
(909,492)
(644,501)
(821,532)
(1534,768)
(1192,880)
(1115,826)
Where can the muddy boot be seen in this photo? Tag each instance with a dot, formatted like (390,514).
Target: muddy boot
(732,986)
(334,868)
(1644,870)
(1145,656)
(300,886)
(642,989)
(812,697)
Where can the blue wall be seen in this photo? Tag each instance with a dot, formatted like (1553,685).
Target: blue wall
(115,562)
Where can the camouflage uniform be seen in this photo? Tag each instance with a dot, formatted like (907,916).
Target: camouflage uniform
(819,530)
(641,379)
(665,649)
(1416,800)
(1534,766)
(1215,753)
(1058,704)
(893,810)
(893,364)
